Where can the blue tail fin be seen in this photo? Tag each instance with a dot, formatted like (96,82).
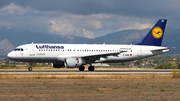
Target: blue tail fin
(155,35)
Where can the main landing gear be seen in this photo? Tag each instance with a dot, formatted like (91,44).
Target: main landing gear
(30,66)
(81,68)
(90,68)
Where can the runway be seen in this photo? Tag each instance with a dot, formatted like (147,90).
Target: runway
(151,71)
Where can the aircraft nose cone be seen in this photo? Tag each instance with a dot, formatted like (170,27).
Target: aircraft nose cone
(10,55)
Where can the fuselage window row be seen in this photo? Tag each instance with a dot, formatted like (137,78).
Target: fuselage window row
(77,50)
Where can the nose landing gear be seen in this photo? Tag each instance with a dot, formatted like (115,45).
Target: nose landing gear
(30,66)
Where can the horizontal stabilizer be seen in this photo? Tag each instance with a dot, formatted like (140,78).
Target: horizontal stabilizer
(163,49)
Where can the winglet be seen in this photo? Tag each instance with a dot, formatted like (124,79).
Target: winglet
(155,35)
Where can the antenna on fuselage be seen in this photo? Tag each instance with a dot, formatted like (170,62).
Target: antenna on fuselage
(32,43)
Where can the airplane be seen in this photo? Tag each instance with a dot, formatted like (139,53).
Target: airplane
(78,55)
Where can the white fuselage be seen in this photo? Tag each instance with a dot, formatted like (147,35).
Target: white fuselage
(59,52)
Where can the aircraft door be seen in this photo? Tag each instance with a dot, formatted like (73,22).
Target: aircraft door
(31,50)
(139,51)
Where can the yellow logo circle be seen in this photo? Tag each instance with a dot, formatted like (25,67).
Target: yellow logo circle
(157,32)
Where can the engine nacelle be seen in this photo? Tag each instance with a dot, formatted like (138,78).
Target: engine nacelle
(58,64)
(74,62)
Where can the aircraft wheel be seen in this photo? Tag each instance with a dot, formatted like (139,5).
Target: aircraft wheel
(81,68)
(30,68)
(91,68)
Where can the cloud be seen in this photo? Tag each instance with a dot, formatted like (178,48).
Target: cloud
(136,8)
(55,22)
(92,16)
(137,25)
(87,18)
(86,33)
(94,24)
(62,27)
(79,25)
(65,28)
(13,9)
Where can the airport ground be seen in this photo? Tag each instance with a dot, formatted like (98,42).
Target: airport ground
(85,87)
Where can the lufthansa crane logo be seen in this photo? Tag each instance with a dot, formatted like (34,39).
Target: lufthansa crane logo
(157,32)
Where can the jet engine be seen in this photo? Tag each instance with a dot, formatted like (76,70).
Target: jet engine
(73,62)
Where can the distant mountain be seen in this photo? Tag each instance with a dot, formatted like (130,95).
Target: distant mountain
(10,38)
(122,37)
(18,37)
(5,47)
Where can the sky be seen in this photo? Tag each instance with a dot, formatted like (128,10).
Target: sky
(86,18)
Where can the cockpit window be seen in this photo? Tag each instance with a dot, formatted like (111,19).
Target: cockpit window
(18,49)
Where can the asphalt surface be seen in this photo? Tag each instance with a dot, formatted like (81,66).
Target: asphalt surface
(153,71)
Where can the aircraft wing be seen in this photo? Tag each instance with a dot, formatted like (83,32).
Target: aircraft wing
(103,54)
(94,57)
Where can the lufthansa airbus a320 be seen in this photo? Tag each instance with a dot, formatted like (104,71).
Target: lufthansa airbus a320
(78,55)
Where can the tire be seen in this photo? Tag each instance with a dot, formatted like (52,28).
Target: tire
(81,68)
(91,68)
(30,68)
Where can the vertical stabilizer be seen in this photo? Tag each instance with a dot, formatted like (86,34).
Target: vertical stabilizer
(155,35)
